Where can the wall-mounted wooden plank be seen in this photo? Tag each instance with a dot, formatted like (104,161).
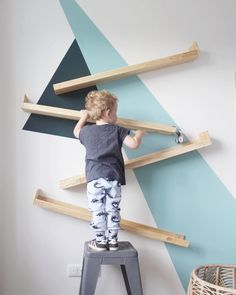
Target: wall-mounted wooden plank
(72,181)
(84,214)
(123,72)
(203,141)
(75,115)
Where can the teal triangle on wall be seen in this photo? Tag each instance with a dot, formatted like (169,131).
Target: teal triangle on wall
(183,193)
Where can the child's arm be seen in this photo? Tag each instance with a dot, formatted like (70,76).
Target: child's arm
(81,122)
(133,142)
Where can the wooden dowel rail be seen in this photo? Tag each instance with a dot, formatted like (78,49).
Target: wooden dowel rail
(75,115)
(203,141)
(83,214)
(123,72)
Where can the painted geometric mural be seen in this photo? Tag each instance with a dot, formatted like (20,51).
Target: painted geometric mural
(72,66)
(183,193)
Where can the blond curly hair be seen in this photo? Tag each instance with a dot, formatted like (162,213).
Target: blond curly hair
(97,102)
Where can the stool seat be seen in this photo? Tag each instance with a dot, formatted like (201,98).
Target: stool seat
(126,256)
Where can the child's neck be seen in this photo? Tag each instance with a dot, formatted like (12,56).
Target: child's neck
(101,122)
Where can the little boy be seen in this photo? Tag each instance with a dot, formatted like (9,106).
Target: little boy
(105,171)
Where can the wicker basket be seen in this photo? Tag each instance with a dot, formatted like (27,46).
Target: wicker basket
(213,280)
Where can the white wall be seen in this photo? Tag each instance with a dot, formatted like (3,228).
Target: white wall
(38,244)
(7,151)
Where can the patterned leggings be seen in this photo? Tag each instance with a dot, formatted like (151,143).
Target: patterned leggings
(104,198)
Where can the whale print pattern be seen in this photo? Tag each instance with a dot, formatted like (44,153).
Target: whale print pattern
(104,199)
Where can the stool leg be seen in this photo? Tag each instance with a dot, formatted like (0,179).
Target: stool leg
(133,276)
(82,274)
(91,269)
(125,279)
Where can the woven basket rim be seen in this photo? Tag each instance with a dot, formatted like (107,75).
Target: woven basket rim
(193,274)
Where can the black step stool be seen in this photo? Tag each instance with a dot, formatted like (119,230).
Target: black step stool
(126,256)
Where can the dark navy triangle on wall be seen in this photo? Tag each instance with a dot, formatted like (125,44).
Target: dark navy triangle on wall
(72,66)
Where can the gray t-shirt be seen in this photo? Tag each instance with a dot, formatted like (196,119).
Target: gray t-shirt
(103,145)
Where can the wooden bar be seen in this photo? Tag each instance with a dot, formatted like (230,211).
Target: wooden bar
(84,214)
(72,181)
(49,110)
(234,278)
(203,141)
(75,115)
(126,71)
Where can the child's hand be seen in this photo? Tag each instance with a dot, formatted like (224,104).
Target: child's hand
(133,142)
(140,133)
(84,114)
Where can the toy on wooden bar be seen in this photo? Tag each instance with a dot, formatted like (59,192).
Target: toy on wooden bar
(70,114)
(179,136)
(123,72)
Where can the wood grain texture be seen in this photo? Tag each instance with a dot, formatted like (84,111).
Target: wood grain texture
(123,72)
(75,115)
(203,141)
(134,227)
